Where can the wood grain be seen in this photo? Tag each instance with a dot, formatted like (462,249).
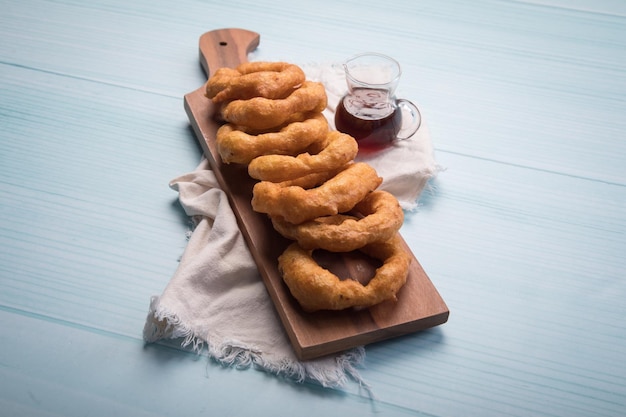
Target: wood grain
(419,305)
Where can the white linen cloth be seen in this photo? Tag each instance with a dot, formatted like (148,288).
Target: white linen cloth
(216,299)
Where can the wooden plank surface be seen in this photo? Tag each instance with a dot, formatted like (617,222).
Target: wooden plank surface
(523,234)
(419,305)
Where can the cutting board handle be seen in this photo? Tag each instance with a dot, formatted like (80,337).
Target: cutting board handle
(226,48)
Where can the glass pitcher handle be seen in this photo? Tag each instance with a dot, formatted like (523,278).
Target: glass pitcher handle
(409,125)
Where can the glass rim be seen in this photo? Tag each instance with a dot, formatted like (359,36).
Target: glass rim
(372,54)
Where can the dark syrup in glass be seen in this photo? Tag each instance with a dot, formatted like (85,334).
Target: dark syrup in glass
(370,117)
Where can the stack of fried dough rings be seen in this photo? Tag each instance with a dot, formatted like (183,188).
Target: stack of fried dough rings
(309,183)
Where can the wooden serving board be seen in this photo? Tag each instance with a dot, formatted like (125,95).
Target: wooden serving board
(419,305)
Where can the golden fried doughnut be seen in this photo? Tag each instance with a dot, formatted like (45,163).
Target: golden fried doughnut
(339,150)
(310,186)
(235,145)
(337,195)
(383,217)
(263,113)
(316,288)
(272,80)
(219,81)
(313,180)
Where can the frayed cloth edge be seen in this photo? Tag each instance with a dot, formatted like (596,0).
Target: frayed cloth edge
(413,206)
(162,324)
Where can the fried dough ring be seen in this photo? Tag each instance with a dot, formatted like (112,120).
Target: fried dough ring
(383,217)
(262,113)
(339,150)
(272,80)
(313,180)
(337,195)
(235,145)
(316,288)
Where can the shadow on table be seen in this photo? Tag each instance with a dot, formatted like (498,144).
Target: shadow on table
(167,353)
(411,346)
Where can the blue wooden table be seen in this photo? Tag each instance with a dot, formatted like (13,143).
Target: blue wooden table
(523,234)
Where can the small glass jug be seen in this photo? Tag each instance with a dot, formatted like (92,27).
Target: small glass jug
(370,112)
